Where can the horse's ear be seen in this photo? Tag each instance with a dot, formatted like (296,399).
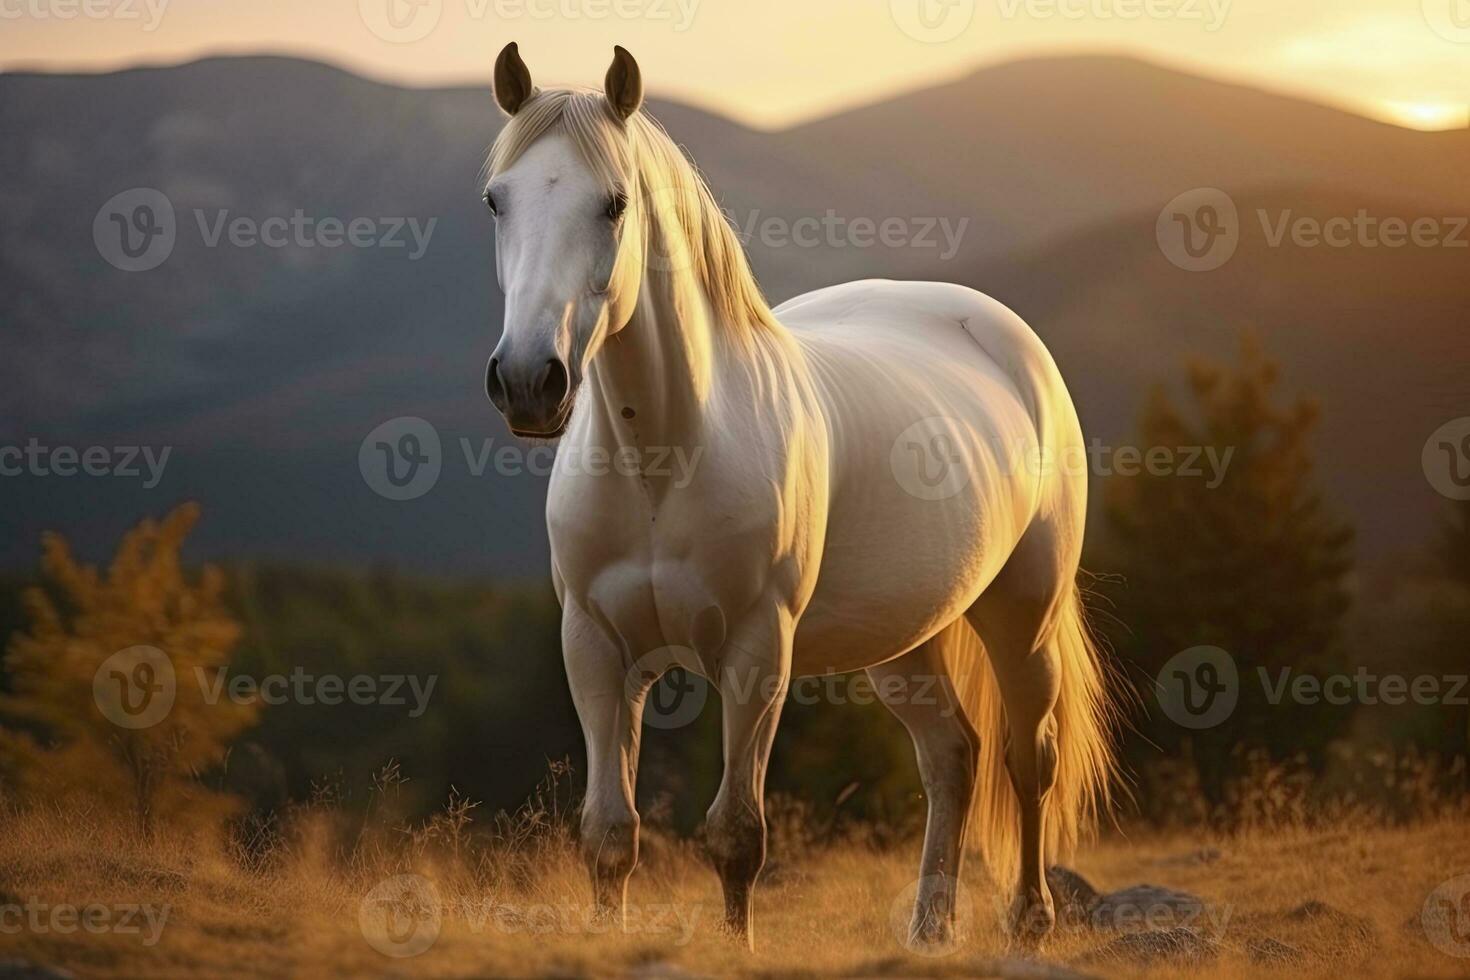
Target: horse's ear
(624,83)
(512,80)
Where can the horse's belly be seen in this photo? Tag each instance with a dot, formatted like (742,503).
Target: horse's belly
(909,547)
(881,592)
(934,480)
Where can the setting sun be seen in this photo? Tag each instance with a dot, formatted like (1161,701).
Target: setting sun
(1427,115)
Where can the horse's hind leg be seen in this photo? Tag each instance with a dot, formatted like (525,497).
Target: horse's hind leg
(916,688)
(1013,618)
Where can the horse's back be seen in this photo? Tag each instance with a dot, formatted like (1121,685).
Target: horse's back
(922,317)
(940,401)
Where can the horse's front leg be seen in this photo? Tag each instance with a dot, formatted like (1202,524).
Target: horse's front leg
(753,676)
(611,711)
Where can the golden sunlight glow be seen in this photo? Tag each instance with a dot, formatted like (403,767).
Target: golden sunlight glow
(1427,115)
(772,63)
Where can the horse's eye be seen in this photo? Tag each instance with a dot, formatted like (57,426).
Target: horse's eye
(490,203)
(616,205)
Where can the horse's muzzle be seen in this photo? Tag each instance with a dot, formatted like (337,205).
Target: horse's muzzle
(534,395)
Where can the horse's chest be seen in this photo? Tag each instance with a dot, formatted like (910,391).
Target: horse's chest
(649,605)
(681,584)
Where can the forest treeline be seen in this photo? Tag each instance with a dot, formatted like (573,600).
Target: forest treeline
(291,684)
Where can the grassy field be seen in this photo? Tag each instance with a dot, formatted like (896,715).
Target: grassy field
(82,894)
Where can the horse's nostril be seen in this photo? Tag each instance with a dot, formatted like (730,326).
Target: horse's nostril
(554,382)
(495,384)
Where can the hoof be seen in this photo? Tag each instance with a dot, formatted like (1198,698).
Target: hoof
(1032,917)
(931,936)
(604,914)
(738,932)
(931,931)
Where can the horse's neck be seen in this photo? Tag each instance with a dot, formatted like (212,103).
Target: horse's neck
(656,376)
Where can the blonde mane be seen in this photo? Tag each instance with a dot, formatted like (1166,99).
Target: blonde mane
(682,212)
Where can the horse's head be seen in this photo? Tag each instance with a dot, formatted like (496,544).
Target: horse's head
(568,243)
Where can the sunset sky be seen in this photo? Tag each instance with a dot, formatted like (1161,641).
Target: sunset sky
(774,62)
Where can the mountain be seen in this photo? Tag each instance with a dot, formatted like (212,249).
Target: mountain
(1037,149)
(1378,337)
(263,368)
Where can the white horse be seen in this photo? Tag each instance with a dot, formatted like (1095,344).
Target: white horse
(867,497)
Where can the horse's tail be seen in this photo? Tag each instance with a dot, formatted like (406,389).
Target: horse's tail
(1086,720)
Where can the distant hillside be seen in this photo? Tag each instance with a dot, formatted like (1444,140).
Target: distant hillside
(264,368)
(1037,149)
(1379,337)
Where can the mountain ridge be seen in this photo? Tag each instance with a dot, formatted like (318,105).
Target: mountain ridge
(264,368)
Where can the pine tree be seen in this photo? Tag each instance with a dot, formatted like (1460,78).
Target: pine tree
(107,693)
(1256,565)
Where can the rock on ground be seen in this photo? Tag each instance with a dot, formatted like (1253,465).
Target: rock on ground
(1141,907)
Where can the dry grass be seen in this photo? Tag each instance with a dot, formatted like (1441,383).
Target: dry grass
(513,902)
